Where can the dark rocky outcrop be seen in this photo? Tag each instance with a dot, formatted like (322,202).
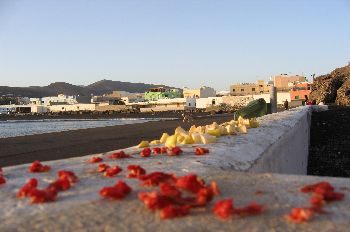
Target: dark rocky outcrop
(343,94)
(333,87)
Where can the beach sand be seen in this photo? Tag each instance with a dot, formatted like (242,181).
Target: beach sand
(61,145)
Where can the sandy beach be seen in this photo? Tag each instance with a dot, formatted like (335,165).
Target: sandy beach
(61,145)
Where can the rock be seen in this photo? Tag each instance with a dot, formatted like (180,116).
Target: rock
(325,88)
(343,94)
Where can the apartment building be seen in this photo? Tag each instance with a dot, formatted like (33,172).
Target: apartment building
(242,89)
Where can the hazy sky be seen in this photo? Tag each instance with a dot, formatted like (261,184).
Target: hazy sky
(178,43)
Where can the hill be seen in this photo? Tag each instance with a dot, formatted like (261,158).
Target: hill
(107,86)
(97,88)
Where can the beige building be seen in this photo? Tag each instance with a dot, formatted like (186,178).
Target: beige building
(175,104)
(281,81)
(202,92)
(242,89)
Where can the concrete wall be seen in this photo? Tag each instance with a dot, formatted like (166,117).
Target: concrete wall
(289,154)
(163,108)
(237,101)
(111,107)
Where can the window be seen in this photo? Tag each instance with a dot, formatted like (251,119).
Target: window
(213,102)
(296,97)
(233,90)
(242,90)
(260,86)
(253,89)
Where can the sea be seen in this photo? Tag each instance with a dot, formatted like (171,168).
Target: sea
(14,128)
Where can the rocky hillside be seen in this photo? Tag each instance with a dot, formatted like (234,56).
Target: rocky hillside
(97,88)
(333,87)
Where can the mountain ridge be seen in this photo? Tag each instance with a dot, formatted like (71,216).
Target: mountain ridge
(97,88)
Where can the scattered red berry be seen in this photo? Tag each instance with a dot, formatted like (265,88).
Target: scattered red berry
(157,150)
(223,209)
(317,201)
(172,211)
(135,171)
(328,195)
(300,215)
(38,167)
(110,172)
(174,151)
(42,196)
(60,184)
(95,159)
(190,183)
(69,175)
(169,190)
(155,178)
(2,180)
(204,195)
(102,167)
(153,200)
(320,185)
(24,191)
(201,151)
(252,209)
(116,192)
(146,152)
(119,155)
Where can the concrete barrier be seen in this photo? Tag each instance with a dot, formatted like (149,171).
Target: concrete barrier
(279,145)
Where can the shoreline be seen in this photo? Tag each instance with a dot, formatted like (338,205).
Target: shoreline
(170,114)
(74,143)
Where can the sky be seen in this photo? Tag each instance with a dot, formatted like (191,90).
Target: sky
(174,42)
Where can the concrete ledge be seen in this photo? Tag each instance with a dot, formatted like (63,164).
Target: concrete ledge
(279,145)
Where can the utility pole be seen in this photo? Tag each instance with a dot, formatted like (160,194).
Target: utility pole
(273,98)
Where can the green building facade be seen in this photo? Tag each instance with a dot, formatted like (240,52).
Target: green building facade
(162,93)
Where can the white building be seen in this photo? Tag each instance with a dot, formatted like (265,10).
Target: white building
(202,92)
(203,103)
(73,107)
(281,97)
(174,104)
(133,99)
(7,109)
(47,101)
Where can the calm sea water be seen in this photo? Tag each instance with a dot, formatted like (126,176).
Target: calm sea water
(13,128)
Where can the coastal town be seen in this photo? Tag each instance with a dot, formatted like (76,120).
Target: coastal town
(294,89)
(174,116)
